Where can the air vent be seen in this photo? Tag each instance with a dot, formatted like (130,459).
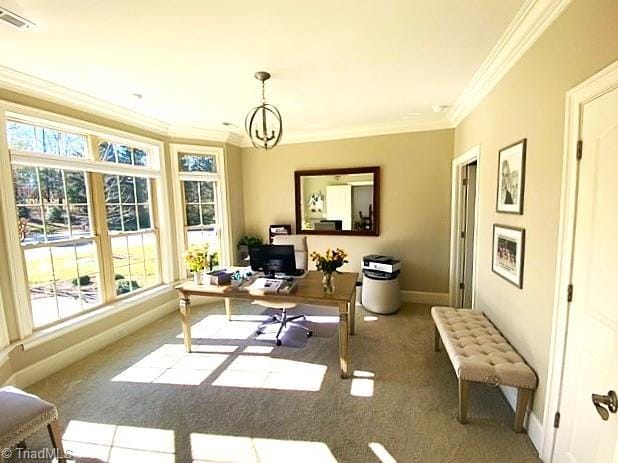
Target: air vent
(14,20)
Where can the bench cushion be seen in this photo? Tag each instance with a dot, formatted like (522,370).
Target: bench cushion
(478,351)
(22,415)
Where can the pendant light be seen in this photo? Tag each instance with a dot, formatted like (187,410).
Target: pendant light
(263,123)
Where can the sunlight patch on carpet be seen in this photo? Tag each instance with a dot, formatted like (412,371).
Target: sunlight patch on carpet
(272,373)
(219,327)
(119,444)
(383,455)
(362,383)
(213,448)
(171,364)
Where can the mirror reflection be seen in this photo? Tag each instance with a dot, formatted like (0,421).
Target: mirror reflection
(338,201)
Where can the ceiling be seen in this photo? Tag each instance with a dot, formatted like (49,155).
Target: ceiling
(336,65)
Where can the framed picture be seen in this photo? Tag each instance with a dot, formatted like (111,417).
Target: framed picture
(511,176)
(508,253)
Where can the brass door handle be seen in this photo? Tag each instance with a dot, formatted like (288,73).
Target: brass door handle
(601,401)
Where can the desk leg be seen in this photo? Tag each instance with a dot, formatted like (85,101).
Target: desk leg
(228,308)
(352,314)
(185,319)
(343,339)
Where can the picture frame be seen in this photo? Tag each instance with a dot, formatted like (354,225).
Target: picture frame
(508,251)
(511,178)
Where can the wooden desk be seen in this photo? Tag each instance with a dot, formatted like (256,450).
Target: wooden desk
(308,291)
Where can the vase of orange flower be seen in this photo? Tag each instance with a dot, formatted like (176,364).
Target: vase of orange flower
(328,265)
(196,259)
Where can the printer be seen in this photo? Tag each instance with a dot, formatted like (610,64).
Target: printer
(382,264)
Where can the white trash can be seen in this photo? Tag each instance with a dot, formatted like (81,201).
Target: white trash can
(381,293)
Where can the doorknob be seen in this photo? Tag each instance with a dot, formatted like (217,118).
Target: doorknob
(610,400)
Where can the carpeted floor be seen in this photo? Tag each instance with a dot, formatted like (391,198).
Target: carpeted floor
(243,399)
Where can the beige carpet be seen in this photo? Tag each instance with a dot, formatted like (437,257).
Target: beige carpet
(142,399)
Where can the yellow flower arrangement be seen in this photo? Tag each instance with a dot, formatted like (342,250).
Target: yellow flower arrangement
(196,258)
(330,261)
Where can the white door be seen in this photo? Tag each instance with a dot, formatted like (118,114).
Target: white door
(591,361)
(339,204)
(469,222)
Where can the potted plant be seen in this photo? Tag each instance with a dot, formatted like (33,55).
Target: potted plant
(247,242)
(196,258)
(328,265)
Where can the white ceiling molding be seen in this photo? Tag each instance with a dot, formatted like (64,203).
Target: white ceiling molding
(39,88)
(48,91)
(197,133)
(530,22)
(369,130)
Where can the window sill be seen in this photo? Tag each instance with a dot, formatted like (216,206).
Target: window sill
(45,335)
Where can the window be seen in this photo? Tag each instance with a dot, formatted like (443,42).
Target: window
(53,220)
(122,154)
(200,191)
(197,163)
(28,137)
(61,228)
(200,213)
(133,240)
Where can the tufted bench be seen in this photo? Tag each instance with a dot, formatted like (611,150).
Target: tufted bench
(479,353)
(22,415)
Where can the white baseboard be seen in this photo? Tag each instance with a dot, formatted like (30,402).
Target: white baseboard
(531,423)
(62,359)
(421,297)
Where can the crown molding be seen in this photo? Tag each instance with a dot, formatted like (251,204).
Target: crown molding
(16,81)
(19,82)
(369,130)
(529,23)
(199,133)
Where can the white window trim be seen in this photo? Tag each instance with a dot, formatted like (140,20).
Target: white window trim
(8,110)
(223,208)
(4,333)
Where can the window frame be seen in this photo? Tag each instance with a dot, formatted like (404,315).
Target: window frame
(4,332)
(93,238)
(155,173)
(222,205)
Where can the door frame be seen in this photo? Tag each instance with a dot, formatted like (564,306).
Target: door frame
(468,157)
(594,87)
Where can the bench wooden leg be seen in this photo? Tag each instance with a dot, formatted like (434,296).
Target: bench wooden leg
(436,340)
(56,438)
(464,388)
(523,399)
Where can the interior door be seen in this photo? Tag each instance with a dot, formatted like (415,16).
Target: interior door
(468,236)
(339,204)
(591,360)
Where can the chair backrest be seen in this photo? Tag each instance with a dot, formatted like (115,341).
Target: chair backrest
(300,248)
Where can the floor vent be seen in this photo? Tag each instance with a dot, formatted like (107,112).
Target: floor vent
(14,20)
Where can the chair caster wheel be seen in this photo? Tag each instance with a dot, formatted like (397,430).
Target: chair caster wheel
(278,342)
(309,334)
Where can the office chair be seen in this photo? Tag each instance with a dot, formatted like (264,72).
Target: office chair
(301,255)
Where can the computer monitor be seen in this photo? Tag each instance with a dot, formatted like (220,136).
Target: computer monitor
(272,259)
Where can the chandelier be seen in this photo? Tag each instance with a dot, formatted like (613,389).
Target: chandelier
(263,123)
